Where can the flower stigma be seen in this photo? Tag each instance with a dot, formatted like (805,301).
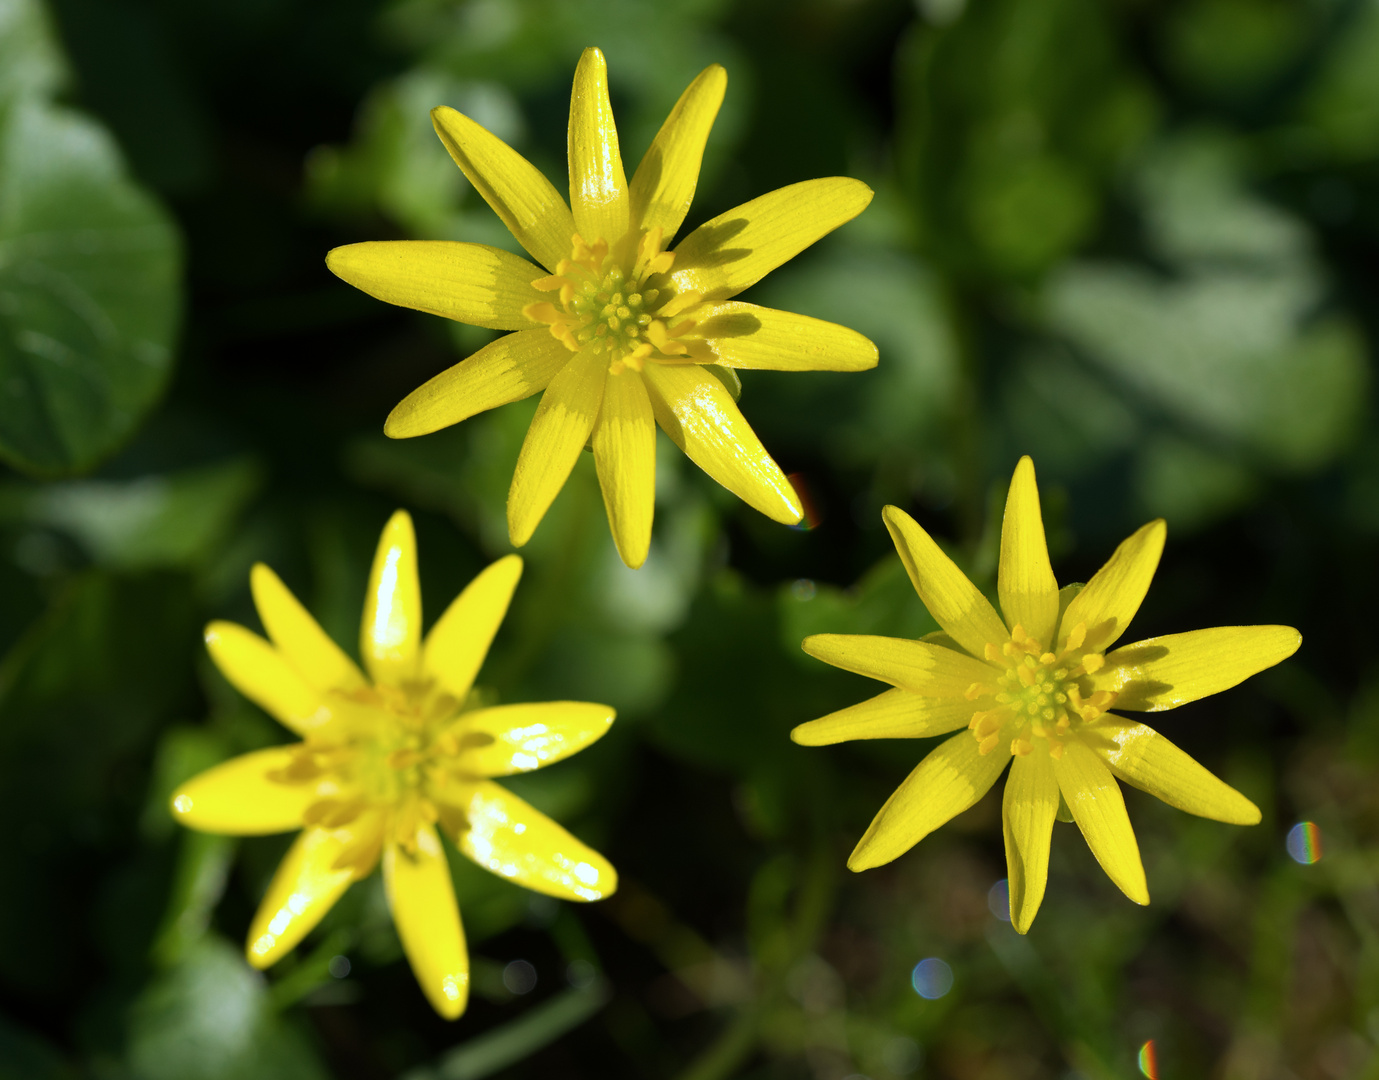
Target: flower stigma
(1039,695)
(621,307)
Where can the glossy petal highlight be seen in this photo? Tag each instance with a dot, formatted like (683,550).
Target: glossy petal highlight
(470,283)
(1098,807)
(598,187)
(518,842)
(1142,757)
(737,249)
(625,457)
(510,739)
(305,887)
(1025,581)
(740,335)
(390,632)
(263,675)
(1164,672)
(237,797)
(422,900)
(663,185)
(1028,808)
(509,369)
(947,782)
(955,603)
(299,637)
(894,714)
(918,666)
(700,416)
(456,646)
(1109,601)
(520,195)
(562,425)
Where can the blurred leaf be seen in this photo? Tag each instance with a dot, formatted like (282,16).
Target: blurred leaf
(31,62)
(1189,484)
(89,292)
(24,1055)
(1231,49)
(209,1018)
(203,865)
(1339,108)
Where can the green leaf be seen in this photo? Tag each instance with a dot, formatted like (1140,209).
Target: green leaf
(31,63)
(89,292)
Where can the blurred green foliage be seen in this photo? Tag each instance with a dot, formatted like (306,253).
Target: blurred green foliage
(1135,241)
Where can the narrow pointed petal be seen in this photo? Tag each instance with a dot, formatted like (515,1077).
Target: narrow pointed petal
(390,633)
(700,416)
(526,201)
(470,283)
(262,674)
(947,782)
(625,457)
(299,637)
(427,917)
(509,369)
(559,430)
(511,739)
(663,185)
(1142,757)
(1028,808)
(1108,602)
(456,646)
(305,887)
(740,335)
(1098,807)
(955,603)
(1164,672)
(598,187)
(237,798)
(516,841)
(918,666)
(737,249)
(895,714)
(1025,582)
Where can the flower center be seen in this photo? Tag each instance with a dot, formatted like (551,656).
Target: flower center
(613,306)
(1039,695)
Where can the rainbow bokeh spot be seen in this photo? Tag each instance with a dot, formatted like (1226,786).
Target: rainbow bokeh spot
(1305,842)
(812,519)
(1149,1060)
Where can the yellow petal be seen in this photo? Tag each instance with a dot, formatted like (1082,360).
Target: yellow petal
(747,336)
(625,457)
(513,840)
(700,416)
(1027,812)
(1025,582)
(1142,757)
(525,200)
(943,785)
(955,603)
(663,185)
(262,674)
(918,666)
(562,425)
(598,187)
(390,632)
(470,283)
(456,646)
(895,714)
(1164,672)
(737,249)
(509,369)
(1097,806)
(299,637)
(1108,602)
(422,900)
(237,798)
(305,887)
(518,738)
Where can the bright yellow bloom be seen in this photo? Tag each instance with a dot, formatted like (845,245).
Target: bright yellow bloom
(387,758)
(1037,686)
(616,329)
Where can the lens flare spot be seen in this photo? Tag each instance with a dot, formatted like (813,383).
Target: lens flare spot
(812,518)
(1305,842)
(998,900)
(1149,1060)
(932,978)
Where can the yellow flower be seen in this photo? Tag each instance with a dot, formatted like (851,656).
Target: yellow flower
(616,329)
(385,759)
(1037,686)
